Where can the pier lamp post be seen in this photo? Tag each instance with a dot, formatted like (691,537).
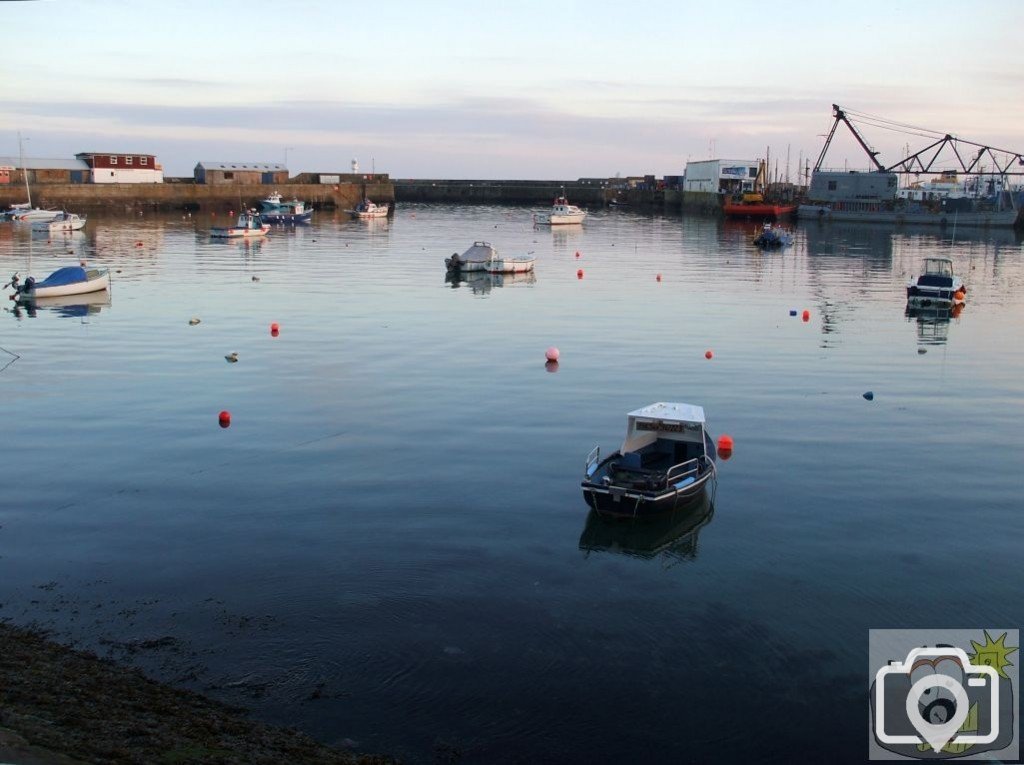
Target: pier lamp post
(286,150)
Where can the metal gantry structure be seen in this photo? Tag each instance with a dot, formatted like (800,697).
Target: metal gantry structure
(1004,161)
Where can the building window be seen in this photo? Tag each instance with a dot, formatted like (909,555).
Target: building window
(831,185)
(128,160)
(752,172)
(143,160)
(229,176)
(113,161)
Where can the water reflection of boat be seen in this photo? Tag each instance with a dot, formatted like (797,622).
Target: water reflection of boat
(67,306)
(933,321)
(482,282)
(671,535)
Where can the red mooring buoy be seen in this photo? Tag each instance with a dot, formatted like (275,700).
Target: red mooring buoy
(224,418)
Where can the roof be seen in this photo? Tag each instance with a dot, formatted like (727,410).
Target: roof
(114,154)
(673,412)
(32,163)
(259,166)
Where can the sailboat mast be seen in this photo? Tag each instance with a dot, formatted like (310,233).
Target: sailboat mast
(24,172)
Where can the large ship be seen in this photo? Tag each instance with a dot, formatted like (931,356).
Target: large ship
(875,196)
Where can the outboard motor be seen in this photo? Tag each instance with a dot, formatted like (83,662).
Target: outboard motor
(453,263)
(28,286)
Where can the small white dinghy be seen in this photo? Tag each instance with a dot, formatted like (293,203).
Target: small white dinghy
(483,257)
(71,280)
(64,221)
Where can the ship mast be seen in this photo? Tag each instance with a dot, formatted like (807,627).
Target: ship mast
(24,172)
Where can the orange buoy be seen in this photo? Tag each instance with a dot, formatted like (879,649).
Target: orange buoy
(724,443)
(577,253)
(552,354)
(807,315)
(708,354)
(274,327)
(224,418)
(658,277)
(579,274)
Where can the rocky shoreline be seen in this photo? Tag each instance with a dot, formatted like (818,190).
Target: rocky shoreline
(61,706)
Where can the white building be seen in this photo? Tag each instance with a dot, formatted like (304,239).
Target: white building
(715,175)
(122,168)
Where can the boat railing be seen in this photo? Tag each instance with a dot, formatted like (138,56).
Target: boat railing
(592,461)
(682,470)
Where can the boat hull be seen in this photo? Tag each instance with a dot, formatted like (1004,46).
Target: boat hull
(281,218)
(559,220)
(993,219)
(100,283)
(34,216)
(626,503)
(238,233)
(508,266)
(735,210)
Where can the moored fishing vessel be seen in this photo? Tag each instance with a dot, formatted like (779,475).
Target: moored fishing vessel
(367,209)
(249,224)
(752,205)
(276,210)
(561,213)
(665,462)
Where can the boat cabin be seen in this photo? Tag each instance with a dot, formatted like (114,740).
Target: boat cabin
(661,435)
(938,267)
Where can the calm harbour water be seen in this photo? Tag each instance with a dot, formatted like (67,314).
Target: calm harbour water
(388,548)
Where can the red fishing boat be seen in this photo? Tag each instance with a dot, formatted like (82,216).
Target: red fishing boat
(754,206)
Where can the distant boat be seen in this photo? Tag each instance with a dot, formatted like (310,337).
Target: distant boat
(275,210)
(561,213)
(249,224)
(70,280)
(481,256)
(754,206)
(773,238)
(368,209)
(64,221)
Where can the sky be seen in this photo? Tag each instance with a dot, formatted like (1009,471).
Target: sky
(524,90)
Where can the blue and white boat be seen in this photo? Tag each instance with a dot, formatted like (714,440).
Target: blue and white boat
(274,209)
(664,463)
(71,280)
(772,238)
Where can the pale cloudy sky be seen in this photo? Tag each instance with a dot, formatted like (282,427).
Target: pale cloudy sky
(487,90)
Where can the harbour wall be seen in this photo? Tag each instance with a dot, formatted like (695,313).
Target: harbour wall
(431,190)
(583,193)
(128,197)
(178,194)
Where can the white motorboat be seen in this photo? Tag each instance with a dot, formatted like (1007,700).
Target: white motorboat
(561,213)
(367,209)
(70,280)
(664,463)
(937,286)
(249,224)
(482,256)
(64,221)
